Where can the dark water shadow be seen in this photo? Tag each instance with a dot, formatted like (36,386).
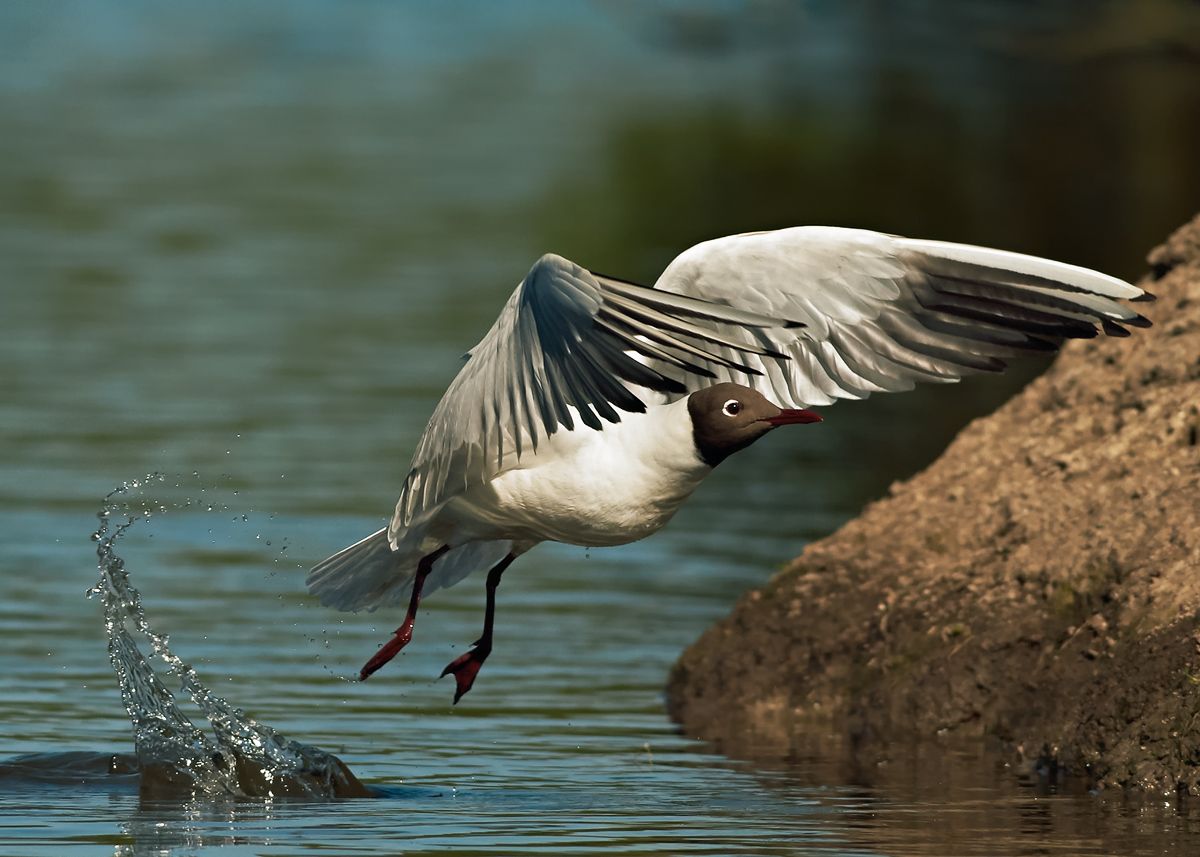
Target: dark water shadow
(123,774)
(77,769)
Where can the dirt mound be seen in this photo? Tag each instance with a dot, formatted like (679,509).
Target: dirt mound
(1038,584)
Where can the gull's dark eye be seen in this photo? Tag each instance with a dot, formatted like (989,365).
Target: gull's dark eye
(732,408)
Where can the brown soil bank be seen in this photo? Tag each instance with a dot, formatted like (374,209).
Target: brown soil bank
(1039,583)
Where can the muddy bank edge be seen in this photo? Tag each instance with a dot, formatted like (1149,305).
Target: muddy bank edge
(1037,586)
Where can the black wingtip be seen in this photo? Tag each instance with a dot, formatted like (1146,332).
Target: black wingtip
(791,325)
(1036,343)
(1113,329)
(1144,297)
(1138,321)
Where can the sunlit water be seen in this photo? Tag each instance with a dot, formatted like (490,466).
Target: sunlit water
(244,244)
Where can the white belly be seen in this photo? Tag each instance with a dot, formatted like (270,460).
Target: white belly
(589,488)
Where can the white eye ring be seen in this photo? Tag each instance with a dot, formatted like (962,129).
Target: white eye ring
(732,408)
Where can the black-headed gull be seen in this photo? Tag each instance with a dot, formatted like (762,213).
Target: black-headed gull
(594,407)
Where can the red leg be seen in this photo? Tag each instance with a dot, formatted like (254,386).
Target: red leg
(466,667)
(404,632)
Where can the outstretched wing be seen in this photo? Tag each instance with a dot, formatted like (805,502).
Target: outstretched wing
(568,346)
(805,316)
(880,313)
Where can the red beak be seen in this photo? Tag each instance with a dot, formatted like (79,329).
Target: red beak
(788,416)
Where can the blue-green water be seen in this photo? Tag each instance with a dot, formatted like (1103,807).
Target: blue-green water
(243,245)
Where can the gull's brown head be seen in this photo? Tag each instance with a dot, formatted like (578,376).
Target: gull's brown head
(728,417)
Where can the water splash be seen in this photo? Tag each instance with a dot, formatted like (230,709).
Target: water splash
(247,758)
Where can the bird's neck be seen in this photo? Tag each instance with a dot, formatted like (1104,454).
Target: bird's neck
(663,437)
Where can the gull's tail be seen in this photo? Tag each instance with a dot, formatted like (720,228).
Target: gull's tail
(370,574)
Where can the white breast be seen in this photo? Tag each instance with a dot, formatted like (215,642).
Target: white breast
(587,487)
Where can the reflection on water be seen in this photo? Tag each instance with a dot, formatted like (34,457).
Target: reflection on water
(251,240)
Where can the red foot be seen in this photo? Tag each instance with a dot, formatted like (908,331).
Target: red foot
(465,668)
(389,651)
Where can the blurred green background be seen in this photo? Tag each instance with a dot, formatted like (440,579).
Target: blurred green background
(252,238)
